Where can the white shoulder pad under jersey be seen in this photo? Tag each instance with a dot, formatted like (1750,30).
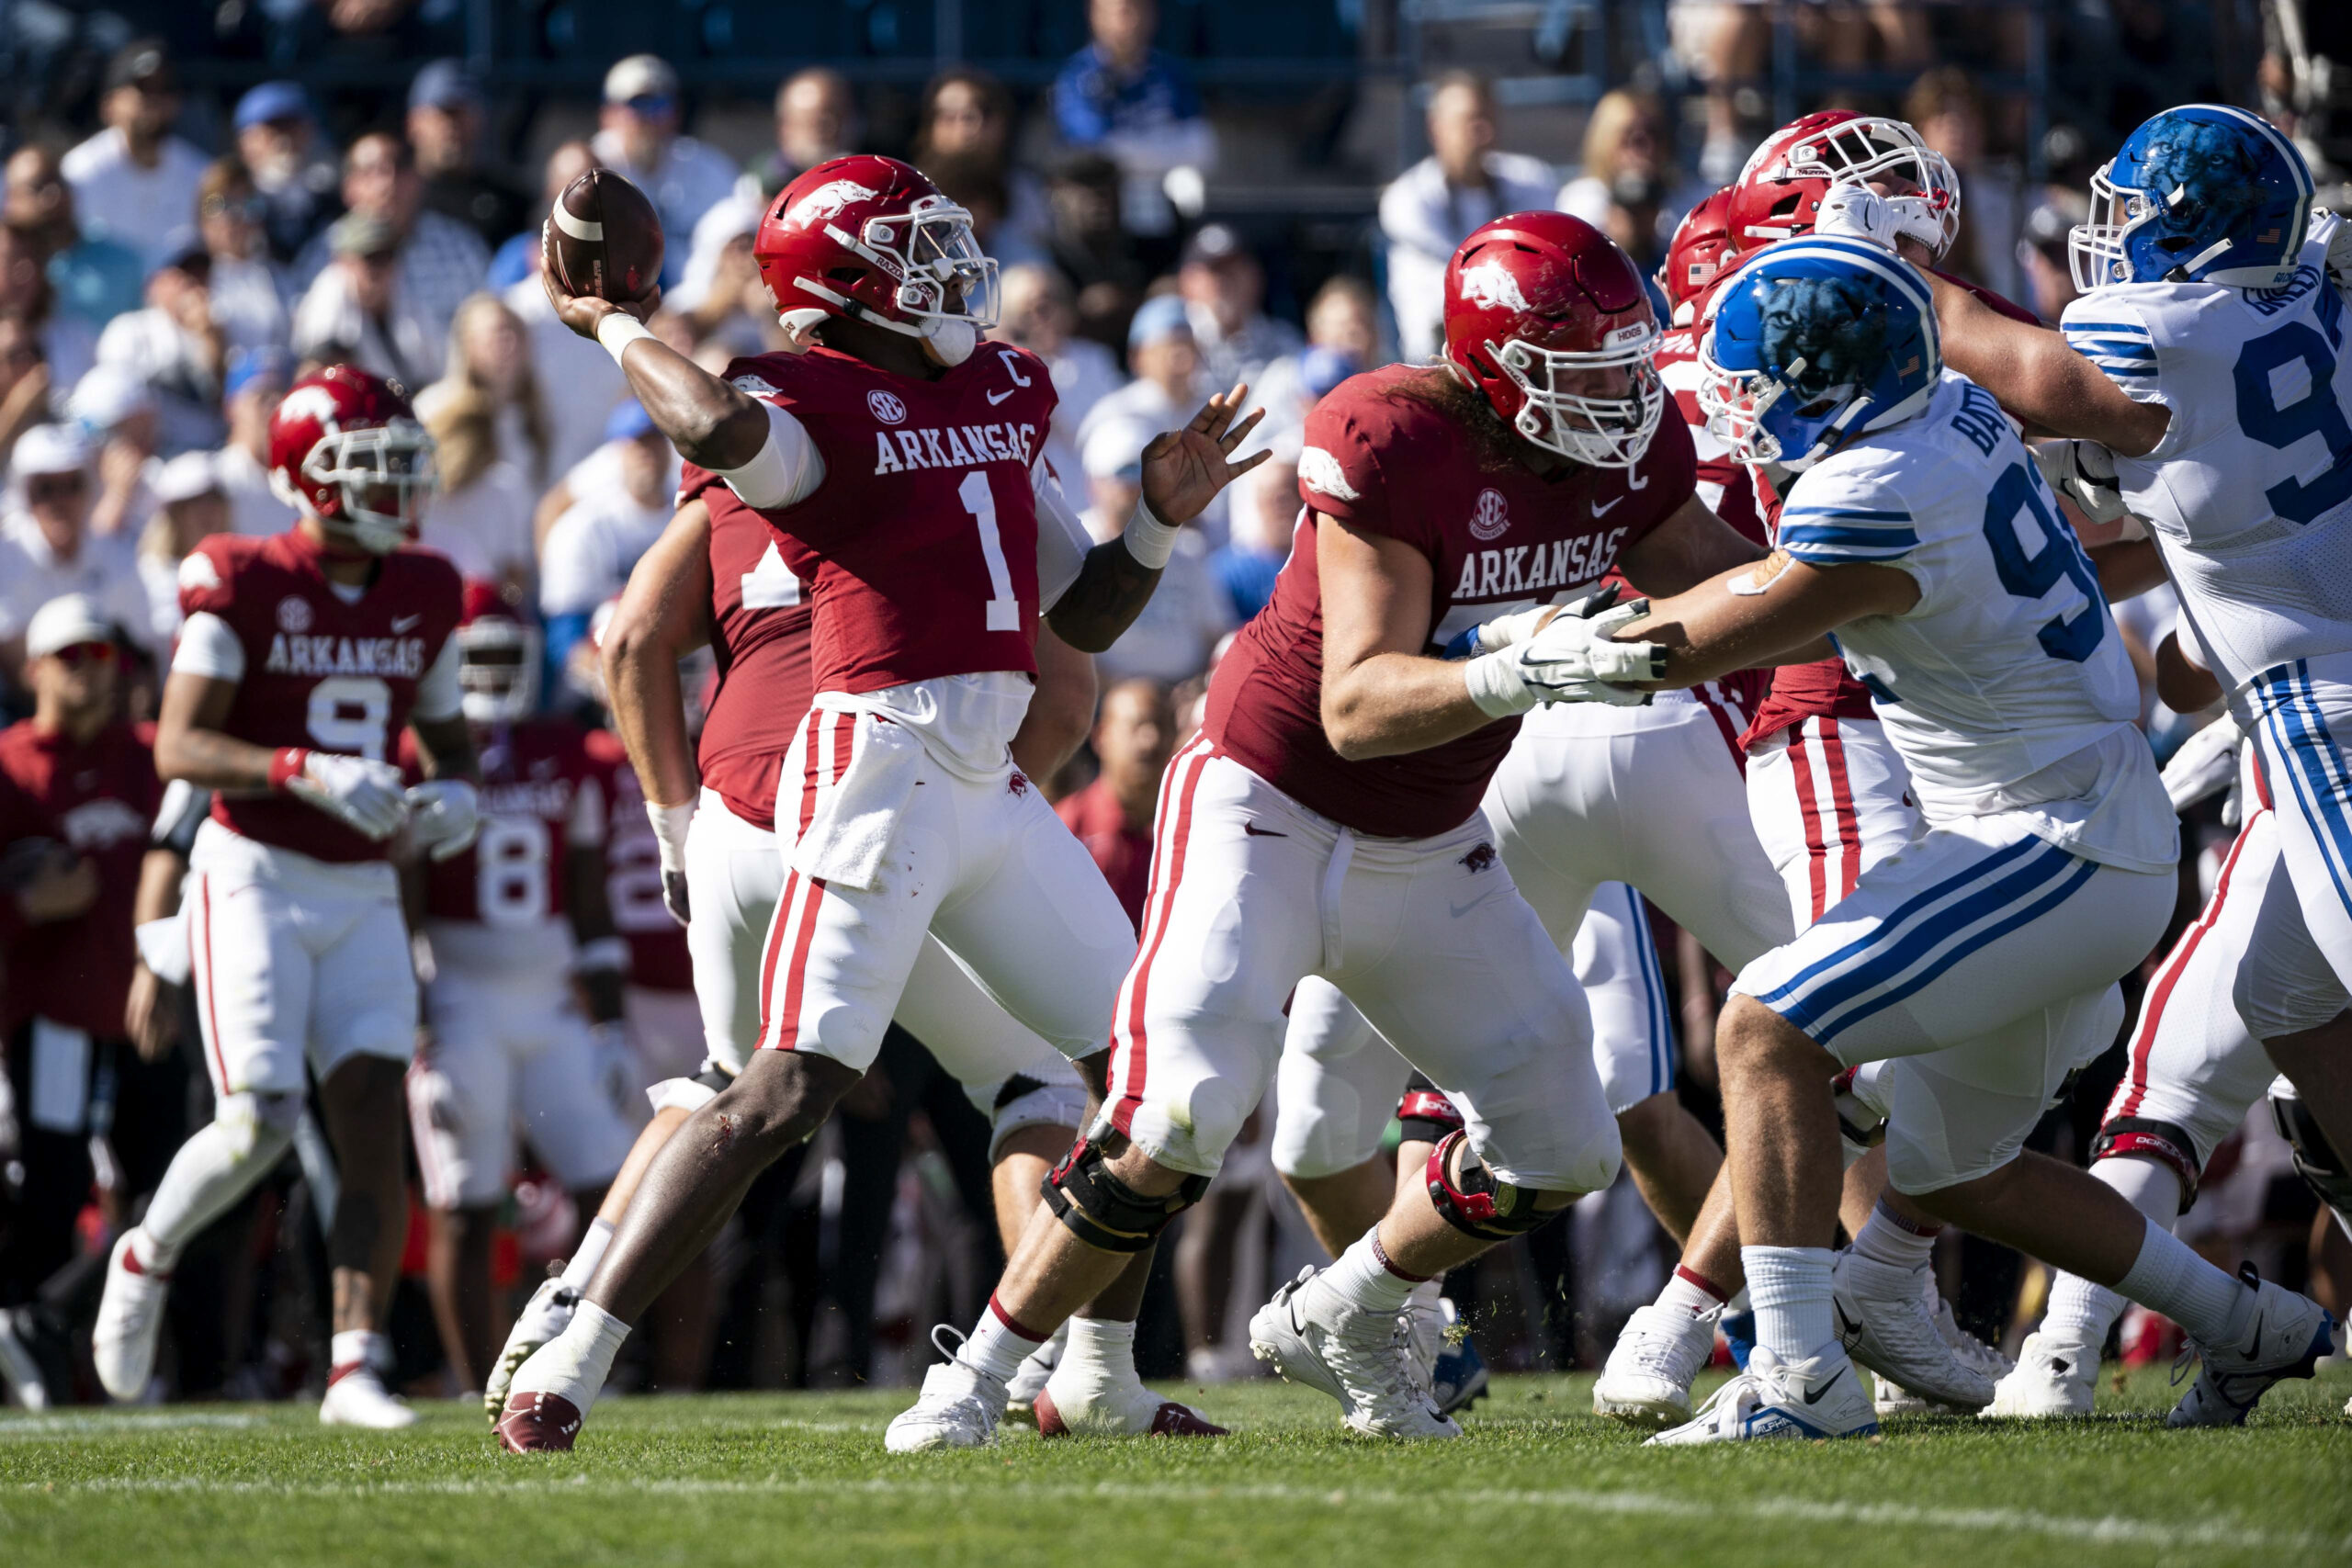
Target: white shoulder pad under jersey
(2249,494)
(2009,662)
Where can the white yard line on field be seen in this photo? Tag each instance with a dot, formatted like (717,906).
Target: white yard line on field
(93,1424)
(2108,1529)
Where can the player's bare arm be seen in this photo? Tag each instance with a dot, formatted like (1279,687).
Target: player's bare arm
(1778,613)
(1183,472)
(589,911)
(1062,710)
(149,1018)
(1685,550)
(192,741)
(446,747)
(711,423)
(2039,380)
(664,614)
(2127,567)
(1382,694)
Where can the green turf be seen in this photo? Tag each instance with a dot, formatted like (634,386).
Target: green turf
(802,1479)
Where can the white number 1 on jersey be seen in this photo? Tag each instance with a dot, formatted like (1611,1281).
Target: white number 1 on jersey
(1004,610)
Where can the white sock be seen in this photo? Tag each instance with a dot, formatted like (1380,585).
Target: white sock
(1100,1349)
(998,1347)
(1790,1286)
(215,1167)
(1890,1238)
(1688,1293)
(2081,1313)
(358,1347)
(2170,1277)
(575,1363)
(588,1254)
(1364,1277)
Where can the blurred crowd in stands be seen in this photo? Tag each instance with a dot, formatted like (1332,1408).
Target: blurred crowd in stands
(172,257)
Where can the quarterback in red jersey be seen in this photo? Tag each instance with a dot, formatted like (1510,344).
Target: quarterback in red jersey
(522,1012)
(303,657)
(897,463)
(1326,820)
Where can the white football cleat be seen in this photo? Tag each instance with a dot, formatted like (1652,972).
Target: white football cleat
(1030,1381)
(131,1319)
(2290,1334)
(959,1408)
(1821,1397)
(1363,1360)
(1891,1398)
(2052,1379)
(1647,1381)
(1885,1324)
(357,1397)
(1968,1350)
(545,1314)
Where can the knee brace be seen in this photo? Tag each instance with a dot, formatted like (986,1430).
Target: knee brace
(2167,1143)
(1104,1212)
(258,1124)
(1478,1204)
(1424,1114)
(2316,1161)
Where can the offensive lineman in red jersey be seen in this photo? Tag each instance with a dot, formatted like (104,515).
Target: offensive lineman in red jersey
(523,1012)
(1326,820)
(303,657)
(898,468)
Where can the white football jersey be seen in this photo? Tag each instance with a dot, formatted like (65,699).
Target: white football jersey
(2249,494)
(2007,687)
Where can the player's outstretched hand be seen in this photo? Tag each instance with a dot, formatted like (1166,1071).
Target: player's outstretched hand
(584,312)
(1183,469)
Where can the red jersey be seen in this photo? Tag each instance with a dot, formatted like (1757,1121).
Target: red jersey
(98,800)
(759,636)
(1123,854)
(657,944)
(920,543)
(1382,459)
(1827,689)
(318,671)
(541,797)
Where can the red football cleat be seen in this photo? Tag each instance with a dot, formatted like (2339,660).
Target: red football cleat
(1170,1420)
(538,1424)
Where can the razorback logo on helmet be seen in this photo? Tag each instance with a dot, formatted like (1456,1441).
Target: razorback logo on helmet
(310,401)
(1320,472)
(827,202)
(1487,284)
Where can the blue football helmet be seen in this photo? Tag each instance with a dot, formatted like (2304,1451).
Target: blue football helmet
(2200,194)
(1815,341)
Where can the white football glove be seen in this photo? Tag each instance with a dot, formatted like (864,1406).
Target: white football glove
(1852,210)
(2207,761)
(2339,252)
(2084,472)
(444,816)
(670,825)
(1571,660)
(1503,631)
(362,794)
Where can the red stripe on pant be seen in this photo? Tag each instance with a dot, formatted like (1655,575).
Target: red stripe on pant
(1816,852)
(210,988)
(1167,870)
(1710,697)
(796,975)
(780,921)
(2135,1090)
(1841,796)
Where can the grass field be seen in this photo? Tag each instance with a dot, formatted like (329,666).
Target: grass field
(802,1478)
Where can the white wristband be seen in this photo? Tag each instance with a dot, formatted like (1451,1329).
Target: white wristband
(670,825)
(1496,684)
(617,331)
(1149,540)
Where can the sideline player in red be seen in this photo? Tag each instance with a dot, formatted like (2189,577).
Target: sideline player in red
(304,656)
(1326,820)
(526,976)
(899,471)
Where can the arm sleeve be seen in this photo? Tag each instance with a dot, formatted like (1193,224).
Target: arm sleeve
(1062,539)
(437,690)
(209,647)
(788,468)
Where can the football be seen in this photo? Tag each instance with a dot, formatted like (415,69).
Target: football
(603,238)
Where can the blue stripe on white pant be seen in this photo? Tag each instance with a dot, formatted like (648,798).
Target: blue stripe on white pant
(1928,936)
(2315,768)
(1654,1004)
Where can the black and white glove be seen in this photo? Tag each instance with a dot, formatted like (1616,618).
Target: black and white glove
(1569,660)
(444,816)
(2084,472)
(363,796)
(670,825)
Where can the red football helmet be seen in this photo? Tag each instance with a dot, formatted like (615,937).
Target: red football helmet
(1537,306)
(870,238)
(1778,193)
(498,658)
(345,448)
(1701,247)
